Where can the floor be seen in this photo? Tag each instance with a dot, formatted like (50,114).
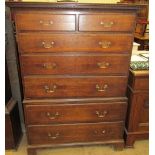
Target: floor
(140,148)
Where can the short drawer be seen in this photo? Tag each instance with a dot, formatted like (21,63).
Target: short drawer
(41,21)
(70,86)
(37,43)
(107,22)
(139,80)
(141,83)
(71,64)
(44,113)
(59,134)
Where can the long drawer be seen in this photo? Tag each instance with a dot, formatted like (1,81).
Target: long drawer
(71,64)
(45,42)
(59,134)
(70,86)
(43,21)
(107,22)
(74,113)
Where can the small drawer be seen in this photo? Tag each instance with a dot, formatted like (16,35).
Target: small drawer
(139,80)
(74,113)
(39,42)
(71,64)
(107,22)
(44,21)
(141,83)
(70,86)
(60,134)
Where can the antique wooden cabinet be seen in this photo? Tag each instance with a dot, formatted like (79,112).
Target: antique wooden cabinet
(74,61)
(137,123)
(13,131)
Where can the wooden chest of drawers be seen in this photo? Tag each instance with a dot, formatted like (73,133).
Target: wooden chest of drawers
(74,62)
(137,123)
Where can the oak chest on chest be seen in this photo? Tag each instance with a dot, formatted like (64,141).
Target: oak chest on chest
(74,61)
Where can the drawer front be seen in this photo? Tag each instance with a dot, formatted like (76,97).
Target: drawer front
(144,110)
(59,134)
(41,21)
(141,112)
(32,42)
(141,83)
(74,113)
(68,86)
(47,64)
(107,22)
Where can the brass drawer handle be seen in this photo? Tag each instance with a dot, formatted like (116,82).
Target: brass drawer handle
(107,24)
(50,65)
(105,44)
(101,88)
(48,45)
(46,23)
(101,114)
(53,136)
(52,116)
(50,89)
(103,64)
(102,132)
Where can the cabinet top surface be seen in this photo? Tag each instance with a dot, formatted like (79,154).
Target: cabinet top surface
(20,4)
(140,72)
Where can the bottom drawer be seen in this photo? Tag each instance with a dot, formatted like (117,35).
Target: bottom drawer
(59,134)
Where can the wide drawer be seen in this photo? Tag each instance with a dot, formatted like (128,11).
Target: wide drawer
(41,42)
(44,113)
(59,134)
(70,86)
(45,21)
(107,22)
(71,64)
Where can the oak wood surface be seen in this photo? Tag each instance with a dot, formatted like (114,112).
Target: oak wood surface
(45,21)
(58,134)
(72,64)
(109,86)
(45,42)
(137,122)
(106,22)
(74,113)
(79,87)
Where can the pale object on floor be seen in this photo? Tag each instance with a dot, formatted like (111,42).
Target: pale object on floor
(141,148)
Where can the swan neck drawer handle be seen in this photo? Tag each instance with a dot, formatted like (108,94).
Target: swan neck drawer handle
(49,65)
(99,133)
(101,114)
(107,24)
(50,89)
(53,136)
(101,88)
(52,116)
(46,23)
(105,44)
(103,64)
(48,44)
